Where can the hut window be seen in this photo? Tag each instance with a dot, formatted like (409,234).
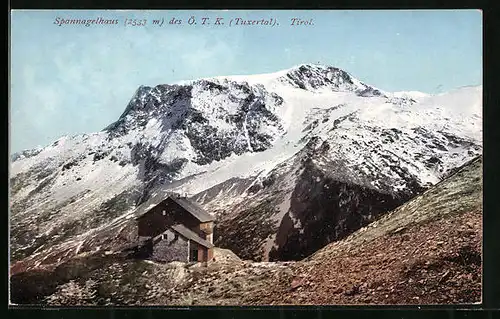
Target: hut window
(164,213)
(164,236)
(176,236)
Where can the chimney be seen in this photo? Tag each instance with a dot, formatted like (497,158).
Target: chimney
(209,238)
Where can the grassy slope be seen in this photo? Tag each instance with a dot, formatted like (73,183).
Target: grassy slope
(428,251)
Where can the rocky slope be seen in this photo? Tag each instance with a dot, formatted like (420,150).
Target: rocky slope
(288,162)
(426,251)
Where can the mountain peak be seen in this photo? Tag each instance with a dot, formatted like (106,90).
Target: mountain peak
(311,66)
(315,77)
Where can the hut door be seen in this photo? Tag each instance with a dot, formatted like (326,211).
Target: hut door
(193,254)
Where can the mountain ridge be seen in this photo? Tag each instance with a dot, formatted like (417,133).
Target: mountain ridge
(399,94)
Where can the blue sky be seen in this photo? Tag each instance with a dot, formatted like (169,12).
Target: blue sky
(73,79)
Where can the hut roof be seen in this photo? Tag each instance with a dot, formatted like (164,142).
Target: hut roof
(191,207)
(189,234)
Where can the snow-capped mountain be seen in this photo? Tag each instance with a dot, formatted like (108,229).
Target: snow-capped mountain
(288,161)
